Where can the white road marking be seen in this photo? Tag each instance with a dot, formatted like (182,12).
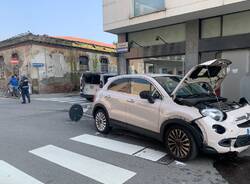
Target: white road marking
(120,147)
(11,175)
(70,100)
(88,116)
(150,154)
(89,167)
(108,144)
(80,102)
(85,110)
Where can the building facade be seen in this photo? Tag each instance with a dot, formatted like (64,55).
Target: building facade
(171,36)
(54,64)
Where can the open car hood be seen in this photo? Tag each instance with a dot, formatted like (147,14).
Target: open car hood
(212,72)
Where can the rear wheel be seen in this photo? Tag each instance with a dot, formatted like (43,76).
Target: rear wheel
(180,143)
(102,121)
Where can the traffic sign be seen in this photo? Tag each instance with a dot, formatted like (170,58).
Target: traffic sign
(38,65)
(122,47)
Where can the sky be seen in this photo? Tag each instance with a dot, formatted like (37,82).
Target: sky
(78,18)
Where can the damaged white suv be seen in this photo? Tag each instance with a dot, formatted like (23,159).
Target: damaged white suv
(184,113)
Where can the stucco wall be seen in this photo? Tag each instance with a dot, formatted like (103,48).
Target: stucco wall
(24,57)
(60,72)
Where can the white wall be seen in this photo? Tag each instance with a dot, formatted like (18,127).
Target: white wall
(119,13)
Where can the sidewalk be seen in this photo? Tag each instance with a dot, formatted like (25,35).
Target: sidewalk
(52,95)
(55,95)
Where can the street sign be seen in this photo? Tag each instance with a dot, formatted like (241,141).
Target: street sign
(122,47)
(38,65)
(14,61)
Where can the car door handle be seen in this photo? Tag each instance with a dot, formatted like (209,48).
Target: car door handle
(131,101)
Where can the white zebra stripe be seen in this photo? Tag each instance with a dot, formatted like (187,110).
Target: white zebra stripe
(11,175)
(108,144)
(89,167)
(120,147)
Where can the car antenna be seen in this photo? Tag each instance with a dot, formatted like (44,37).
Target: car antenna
(217,98)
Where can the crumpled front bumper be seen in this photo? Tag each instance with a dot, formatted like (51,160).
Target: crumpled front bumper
(240,141)
(236,137)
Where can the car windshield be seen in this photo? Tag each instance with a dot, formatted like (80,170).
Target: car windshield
(169,83)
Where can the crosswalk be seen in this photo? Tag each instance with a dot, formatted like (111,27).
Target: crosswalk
(11,175)
(96,170)
(120,147)
(92,168)
(69,100)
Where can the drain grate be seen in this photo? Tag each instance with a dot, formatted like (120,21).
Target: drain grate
(166,160)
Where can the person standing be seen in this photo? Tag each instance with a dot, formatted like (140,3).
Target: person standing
(13,83)
(24,86)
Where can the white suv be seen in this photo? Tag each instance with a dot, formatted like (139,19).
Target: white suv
(184,113)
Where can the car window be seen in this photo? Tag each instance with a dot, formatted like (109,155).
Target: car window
(91,78)
(120,85)
(139,85)
(168,83)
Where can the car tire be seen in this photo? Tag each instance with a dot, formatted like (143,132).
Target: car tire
(180,143)
(102,121)
(76,112)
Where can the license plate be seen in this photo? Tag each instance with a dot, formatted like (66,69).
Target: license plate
(248,131)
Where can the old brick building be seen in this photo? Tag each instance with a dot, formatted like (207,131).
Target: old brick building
(54,64)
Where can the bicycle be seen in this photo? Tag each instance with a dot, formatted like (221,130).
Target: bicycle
(4,92)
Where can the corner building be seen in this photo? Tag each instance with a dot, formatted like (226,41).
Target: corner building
(171,36)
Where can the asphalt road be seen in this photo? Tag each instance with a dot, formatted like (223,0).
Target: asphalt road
(36,147)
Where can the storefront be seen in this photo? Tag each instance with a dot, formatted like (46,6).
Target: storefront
(162,65)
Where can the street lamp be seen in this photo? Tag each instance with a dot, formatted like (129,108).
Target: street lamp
(162,39)
(134,42)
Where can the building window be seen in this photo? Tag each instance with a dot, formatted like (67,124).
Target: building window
(171,34)
(237,23)
(104,65)
(226,25)
(211,27)
(15,63)
(142,7)
(2,68)
(83,63)
(164,65)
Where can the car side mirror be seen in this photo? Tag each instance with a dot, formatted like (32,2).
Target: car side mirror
(243,101)
(148,96)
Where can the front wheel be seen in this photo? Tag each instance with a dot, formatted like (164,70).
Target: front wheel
(102,122)
(180,143)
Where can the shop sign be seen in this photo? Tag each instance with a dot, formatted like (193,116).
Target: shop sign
(122,47)
(38,65)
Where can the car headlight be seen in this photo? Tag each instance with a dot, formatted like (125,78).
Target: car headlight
(215,114)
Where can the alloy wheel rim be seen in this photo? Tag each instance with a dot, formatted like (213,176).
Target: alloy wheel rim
(100,121)
(179,143)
